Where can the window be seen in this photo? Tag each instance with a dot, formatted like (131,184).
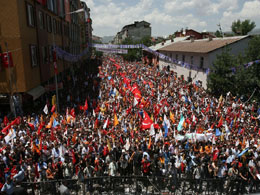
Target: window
(50,5)
(177,57)
(54,26)
(201,62)
(30,15)
(61,8)
(41,20)
(183,58)
(50,53)
(49,26)
(33,51)
(191,60)
(44,55)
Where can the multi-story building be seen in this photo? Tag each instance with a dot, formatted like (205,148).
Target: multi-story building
(86,27)
(135,31)
(30,29)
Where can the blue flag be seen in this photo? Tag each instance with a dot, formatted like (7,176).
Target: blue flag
(218,133)
(165,129)
(55,123)
(243,152)
(180,123)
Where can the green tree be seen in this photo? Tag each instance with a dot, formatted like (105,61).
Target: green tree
(221,79)
(242,28)
(218,33)
(147,41)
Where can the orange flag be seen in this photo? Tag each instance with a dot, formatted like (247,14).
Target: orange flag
(115,121)
(172,117)
(74,138)
(150,143)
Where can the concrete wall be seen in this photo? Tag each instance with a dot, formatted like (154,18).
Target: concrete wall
(195,75)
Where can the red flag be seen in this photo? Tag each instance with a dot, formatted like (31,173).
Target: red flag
(72,113)
(52,135)
(73,157)
(86,105)
(39,129)
(6,120)
(53,108)
(96,124)
(220,123)
(121,140)
(31,126)
(215,155)
(147,122)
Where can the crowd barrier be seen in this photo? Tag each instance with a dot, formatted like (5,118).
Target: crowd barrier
(141,185)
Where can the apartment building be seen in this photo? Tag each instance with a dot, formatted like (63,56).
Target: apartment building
(28,30)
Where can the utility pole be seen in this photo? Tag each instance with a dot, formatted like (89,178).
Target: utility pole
(12,106)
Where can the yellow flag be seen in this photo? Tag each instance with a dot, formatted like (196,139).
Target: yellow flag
(172,117)
(115,121)
(108,145)
(53,100)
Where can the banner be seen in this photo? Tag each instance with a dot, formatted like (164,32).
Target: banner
(119,51)
(109,48)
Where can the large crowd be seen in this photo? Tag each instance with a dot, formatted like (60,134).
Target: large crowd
(134,119)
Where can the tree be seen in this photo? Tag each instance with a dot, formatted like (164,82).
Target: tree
(242,28)
(218,33)
(146,40)
(236,74)
(221,79)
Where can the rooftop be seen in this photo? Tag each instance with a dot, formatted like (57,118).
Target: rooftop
(201,45)
(168,42)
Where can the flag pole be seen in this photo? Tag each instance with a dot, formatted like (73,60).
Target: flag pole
(12,106)
(55,73)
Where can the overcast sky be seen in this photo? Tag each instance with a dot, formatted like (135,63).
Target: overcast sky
(167,16)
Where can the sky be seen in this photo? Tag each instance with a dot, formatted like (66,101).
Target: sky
(168,16)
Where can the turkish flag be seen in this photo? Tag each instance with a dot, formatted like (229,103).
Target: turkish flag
(147,122)
(72,113)
(7,62)
(86,105)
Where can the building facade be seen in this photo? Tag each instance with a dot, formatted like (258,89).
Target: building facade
(30,29)
(200,55)
(135,31)
(86,28)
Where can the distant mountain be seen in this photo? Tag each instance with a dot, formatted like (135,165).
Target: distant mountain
(107,39)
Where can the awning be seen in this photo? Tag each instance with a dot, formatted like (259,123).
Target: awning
(37,92)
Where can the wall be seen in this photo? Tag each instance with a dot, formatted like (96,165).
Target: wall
(209,58)
(10,33)
(236,49)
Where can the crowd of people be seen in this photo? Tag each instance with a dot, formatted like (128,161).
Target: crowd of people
(134,119)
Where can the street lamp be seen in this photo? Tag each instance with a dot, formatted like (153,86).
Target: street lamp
(55,62)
